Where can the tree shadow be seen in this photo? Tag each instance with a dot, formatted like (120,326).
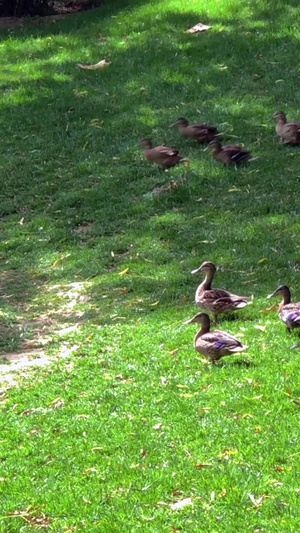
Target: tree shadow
(70,158)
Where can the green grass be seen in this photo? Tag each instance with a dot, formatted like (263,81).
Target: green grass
(100,269)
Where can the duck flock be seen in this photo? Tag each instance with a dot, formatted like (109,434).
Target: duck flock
(229,154)
(216,344)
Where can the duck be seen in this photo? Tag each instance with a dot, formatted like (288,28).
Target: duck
(162,155)
(217,301)
(289,312)
(214,344)
(289,132)
(202,133)
(230,154)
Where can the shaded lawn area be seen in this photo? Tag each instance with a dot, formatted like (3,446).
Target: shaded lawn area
(95,271)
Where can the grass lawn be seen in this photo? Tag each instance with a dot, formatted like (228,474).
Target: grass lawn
(128,419)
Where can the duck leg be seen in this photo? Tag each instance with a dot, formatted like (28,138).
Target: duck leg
(215,319)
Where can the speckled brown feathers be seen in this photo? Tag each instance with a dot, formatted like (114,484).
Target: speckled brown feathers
(214,344)
(162,155)
(289,132)
(217,301)
(202,133)
(289,312)
(230,154)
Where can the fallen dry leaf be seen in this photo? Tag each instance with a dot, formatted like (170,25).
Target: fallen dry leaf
(33,516)
(166,188)
(123,272)
(257,502)
(101,64)
(261,328)
(202,465)
(181,503)
(176,492)
(269,309)
(199,28)
(58,402)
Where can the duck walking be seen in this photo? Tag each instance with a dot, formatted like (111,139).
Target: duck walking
(289,312)
(230,154)
(217,301)
(162,155)
(202,133)
(214,344)
(289,132)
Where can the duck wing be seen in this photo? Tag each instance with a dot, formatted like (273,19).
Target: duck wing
(221,343)
(290,315)
(166,151)
(203,128)
(291,131)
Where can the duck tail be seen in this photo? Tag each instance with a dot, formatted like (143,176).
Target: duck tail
(185,160)
(242,348)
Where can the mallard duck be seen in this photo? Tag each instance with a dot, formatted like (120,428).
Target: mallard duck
(162,155)
(288,312)
(203,133)
(214,344)
(217,301)
(230,154)
(289,132)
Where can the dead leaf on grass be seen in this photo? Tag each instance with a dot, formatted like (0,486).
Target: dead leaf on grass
(100,64)
(198,28)
(261,328)
(202,465)
(269,309)
(257,502)
(58,402)
(166,188)
(181,503)
(33,516)
(123,272)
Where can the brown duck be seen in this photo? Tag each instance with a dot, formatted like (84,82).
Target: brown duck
(162,155)
(217,301)
(289,132)
(214,344)
(202,133)
(230,154)
(289,312)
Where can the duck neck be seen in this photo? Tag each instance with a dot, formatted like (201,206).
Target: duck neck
(286,294)
(204,328)
(206,283)
(282,119)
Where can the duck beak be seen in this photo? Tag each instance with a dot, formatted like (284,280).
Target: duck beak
(271,295)
(188,322)
(295,346)
(196,271)
(174,124)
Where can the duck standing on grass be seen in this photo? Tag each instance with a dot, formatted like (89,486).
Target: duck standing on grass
(214,344)
(289,312)
(230,154)
(162,155)
(217,301)
(289,132)
(202,133)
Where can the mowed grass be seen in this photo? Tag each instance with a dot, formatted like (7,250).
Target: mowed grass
(128,419)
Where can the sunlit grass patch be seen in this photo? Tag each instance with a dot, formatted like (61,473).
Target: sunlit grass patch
(122,425)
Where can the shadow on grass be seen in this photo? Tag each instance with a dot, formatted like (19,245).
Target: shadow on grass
(69,156)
